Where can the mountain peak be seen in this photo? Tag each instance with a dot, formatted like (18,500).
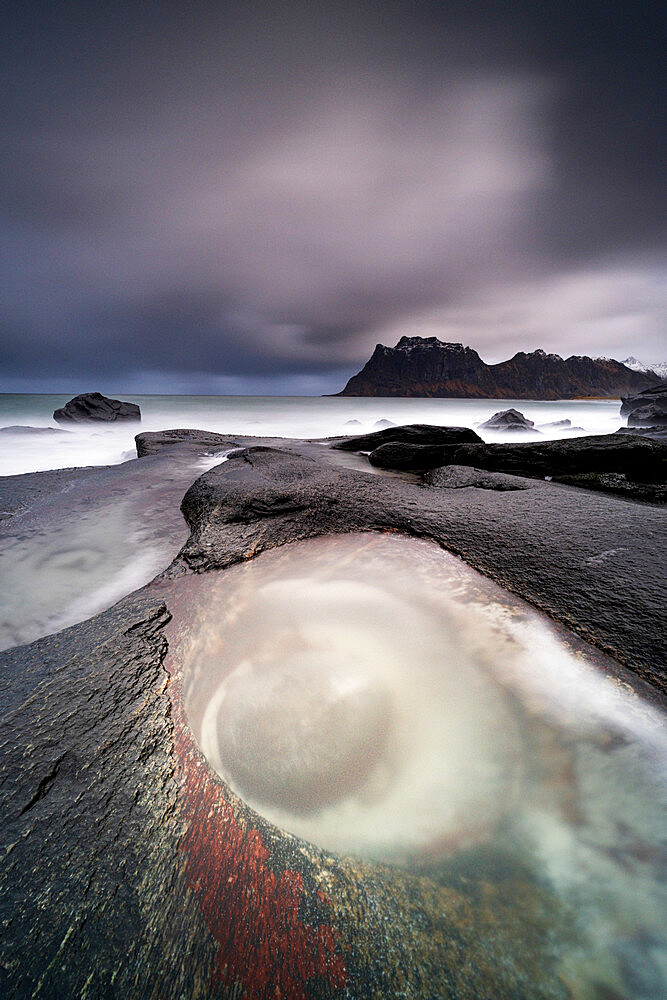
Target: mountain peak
(422,343)
(427,366)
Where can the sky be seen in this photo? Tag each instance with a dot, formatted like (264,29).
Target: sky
(248,196)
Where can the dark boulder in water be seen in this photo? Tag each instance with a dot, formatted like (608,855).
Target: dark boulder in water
(421,434)
(509,420)
(95,406)
(647,408)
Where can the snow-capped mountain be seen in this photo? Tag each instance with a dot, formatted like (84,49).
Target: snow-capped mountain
(659,367)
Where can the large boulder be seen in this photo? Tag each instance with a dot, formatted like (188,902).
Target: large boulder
(422,434)
(509,420)
(95,406)
(638,457)
(647,408)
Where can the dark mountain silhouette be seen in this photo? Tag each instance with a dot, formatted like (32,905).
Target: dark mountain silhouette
(426,366)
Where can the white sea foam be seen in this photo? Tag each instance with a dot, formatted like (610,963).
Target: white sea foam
(307,416)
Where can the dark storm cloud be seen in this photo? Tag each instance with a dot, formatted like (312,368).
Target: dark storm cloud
(263,190)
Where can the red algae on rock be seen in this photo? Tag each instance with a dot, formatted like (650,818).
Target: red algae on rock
(251,911)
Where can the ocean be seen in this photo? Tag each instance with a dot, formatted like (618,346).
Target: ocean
(265,416)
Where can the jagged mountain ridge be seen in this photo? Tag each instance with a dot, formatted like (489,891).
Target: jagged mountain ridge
(426,366)
(659,367)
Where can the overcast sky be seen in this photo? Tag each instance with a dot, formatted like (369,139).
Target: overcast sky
(247,197)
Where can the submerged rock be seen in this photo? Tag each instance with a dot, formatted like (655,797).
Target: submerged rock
(509,420)
(413,433)
(560,425)
(95,406)
(565,424)
(23,429)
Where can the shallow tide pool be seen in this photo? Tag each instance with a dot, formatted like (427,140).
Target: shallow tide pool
(375,696)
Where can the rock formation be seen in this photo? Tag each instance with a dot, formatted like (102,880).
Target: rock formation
(648,408)
(509,420)
(409,434)
(427,366)
(95,406)
(131,868)
(638,458)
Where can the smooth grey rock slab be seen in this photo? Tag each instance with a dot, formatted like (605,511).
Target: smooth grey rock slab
(457,477)
(537,542)
(152,442)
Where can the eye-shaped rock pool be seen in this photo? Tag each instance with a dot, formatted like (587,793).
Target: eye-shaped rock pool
(375,697)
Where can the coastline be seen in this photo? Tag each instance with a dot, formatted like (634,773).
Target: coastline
(126,795)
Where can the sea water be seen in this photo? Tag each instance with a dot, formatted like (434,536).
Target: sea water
(79,445)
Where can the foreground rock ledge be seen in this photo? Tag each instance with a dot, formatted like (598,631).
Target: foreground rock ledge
(131,871)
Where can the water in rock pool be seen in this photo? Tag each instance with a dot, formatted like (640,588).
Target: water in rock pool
(377,697)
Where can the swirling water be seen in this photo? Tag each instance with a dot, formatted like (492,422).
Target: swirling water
(377,697)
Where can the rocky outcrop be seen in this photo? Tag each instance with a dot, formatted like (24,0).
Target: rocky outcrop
(638,458)
(426,366)
(95,406)
(120,840)
(422,434)
(647,408)
(153,442)
(509,420)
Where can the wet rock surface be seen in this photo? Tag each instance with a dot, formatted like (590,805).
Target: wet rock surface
(131,870)
(423,434)
(95,406)
(534,541)
(153,442)
(74,541)
(457,477)
(638,457)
